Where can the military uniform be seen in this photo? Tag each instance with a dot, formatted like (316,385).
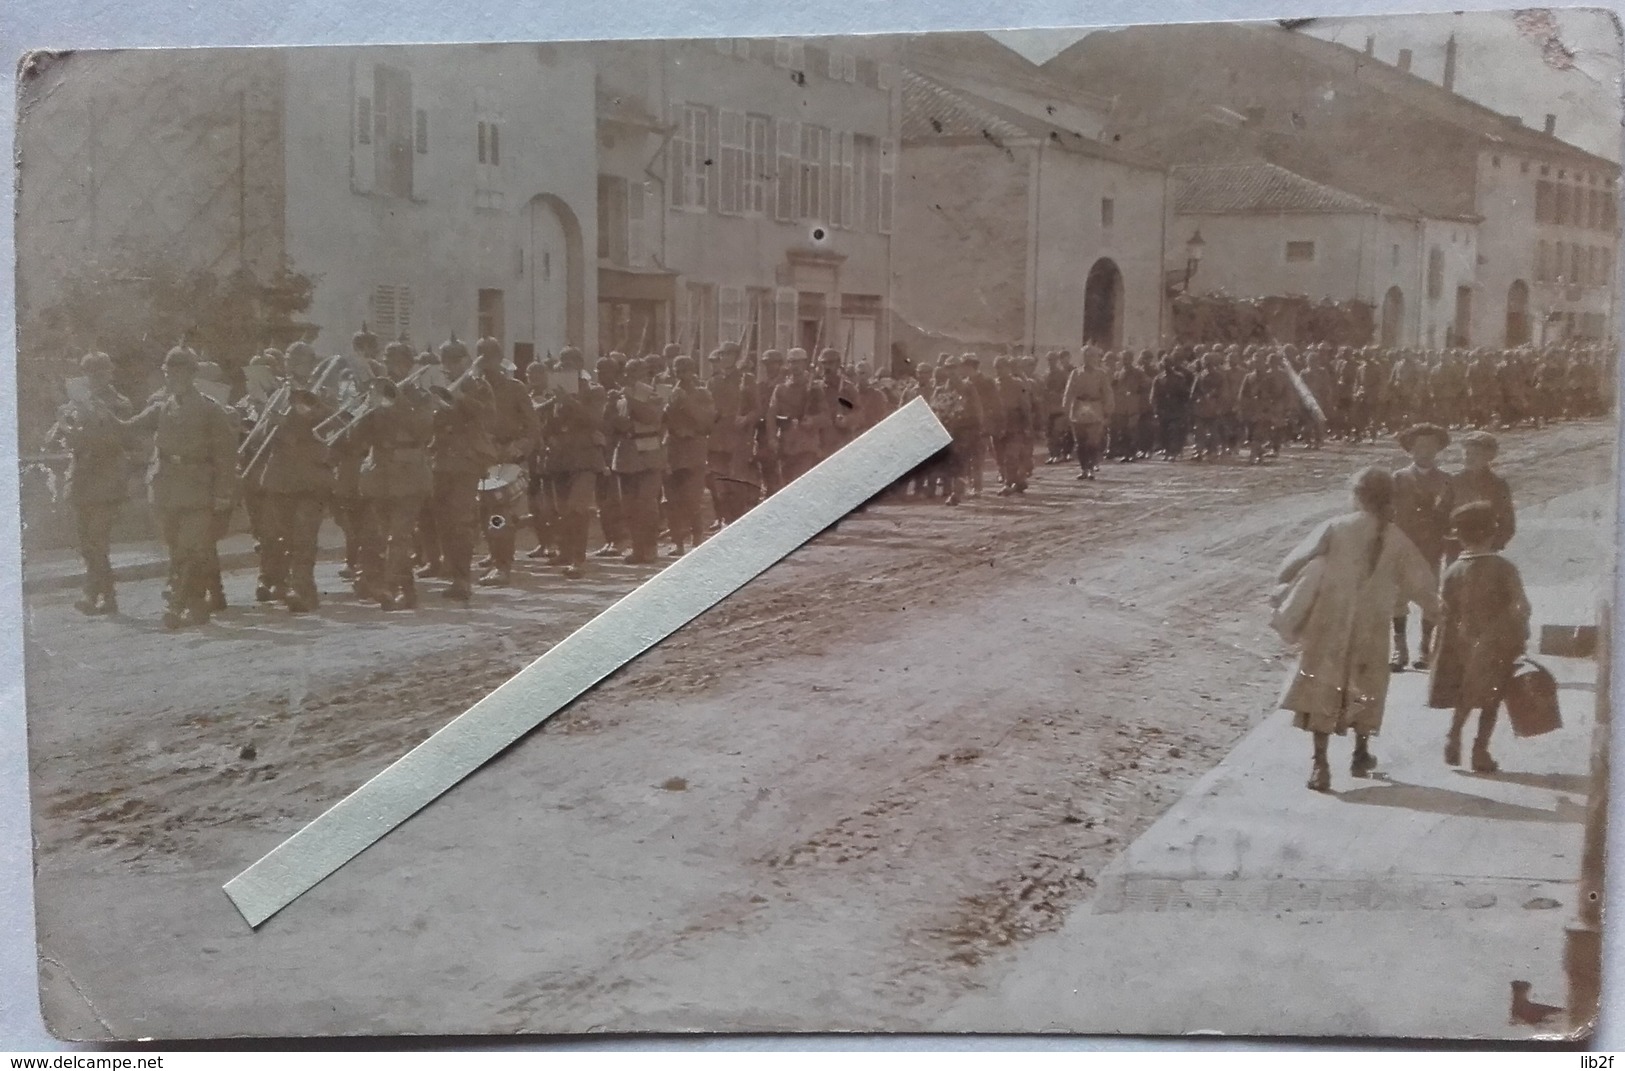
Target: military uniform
(1089,404)
(730,466)
(796,420)
(611,514)
(1016,419)
(193,474)
(767,429)
(293,485)
(513,433)
(460,453)
(394,480)
(689,416)
(639,462)
(572,429)
(98,483)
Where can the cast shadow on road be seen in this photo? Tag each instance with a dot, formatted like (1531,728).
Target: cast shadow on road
(1431,800)
(1573,784)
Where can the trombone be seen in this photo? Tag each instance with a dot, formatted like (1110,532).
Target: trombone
(446,397)
(333,427)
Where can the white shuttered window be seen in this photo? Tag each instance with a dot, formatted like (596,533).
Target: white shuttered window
(787,205)
(731,179)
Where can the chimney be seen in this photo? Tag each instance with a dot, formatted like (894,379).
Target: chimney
(1370,44)
(1404,63)
(1551,124)
(1450,64)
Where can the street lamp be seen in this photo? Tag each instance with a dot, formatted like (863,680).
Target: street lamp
(1180,282)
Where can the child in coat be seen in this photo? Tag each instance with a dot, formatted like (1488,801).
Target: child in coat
(1483,632)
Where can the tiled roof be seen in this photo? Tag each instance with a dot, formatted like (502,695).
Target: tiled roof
(931,110)
(1257,187)
(936,111)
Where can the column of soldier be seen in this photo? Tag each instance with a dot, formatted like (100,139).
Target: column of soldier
(417,455)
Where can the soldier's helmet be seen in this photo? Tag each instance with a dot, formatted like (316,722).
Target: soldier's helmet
(398,351)
(452,350)
(364,341)
(181,357)
(95,362)
(570,357)
(488,348)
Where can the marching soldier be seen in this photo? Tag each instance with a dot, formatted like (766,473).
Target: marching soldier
(730,466)
(395,477)
(1059,429)
(611,514)
(1208,405)
(571,415)
(689,416)
(513,434)
(767,428)
(639,459)
(1088,402)
(347,504)
(98,475)
(987,405)
(872,402)
(1013,446)
(293,484)
(459,455)
(543,518)
(193,477)
(834,400)
(791,411)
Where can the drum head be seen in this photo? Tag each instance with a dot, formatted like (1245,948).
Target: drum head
(500,476)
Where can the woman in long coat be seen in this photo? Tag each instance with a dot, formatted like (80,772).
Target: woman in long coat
(1368,566)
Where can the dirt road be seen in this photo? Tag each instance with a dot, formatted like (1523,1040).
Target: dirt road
(916,740)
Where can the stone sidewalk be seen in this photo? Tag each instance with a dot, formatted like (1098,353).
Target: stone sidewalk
(1401,905)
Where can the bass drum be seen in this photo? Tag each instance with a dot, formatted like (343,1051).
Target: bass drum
(502,493)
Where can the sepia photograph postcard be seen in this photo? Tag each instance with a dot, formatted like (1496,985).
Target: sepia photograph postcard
(1240,666)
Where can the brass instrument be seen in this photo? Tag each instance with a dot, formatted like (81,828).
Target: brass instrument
(270,417)
(446,397)
(332,428)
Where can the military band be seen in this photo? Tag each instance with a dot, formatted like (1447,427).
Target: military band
(417,458)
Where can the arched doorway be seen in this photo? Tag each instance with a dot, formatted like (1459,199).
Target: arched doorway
(557,285)
(1393,316)
(1518,313)
(1103,305)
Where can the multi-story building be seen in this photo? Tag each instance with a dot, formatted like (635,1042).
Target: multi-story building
(421,187)
(746,193)
(1378,131)
(1016,228)
(1264,231)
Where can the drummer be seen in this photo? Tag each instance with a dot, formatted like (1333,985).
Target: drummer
(515,433)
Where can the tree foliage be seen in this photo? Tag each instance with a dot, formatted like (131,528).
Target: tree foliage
(135,308)
(1292,318)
